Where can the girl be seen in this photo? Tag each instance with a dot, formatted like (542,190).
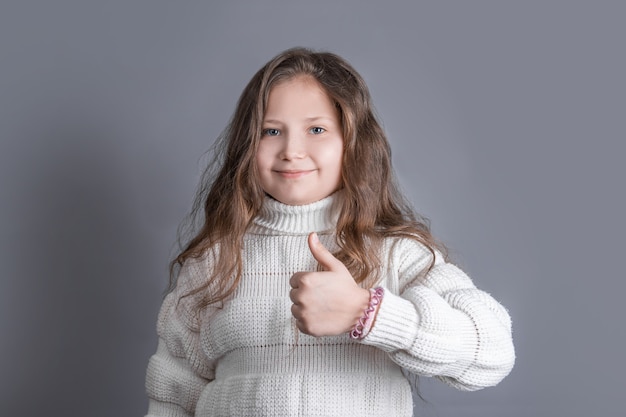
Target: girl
(311,285)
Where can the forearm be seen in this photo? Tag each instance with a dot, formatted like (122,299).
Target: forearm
(462,336)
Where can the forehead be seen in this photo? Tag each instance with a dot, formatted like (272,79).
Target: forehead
(301,95)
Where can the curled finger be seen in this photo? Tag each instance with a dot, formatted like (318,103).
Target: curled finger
(296,312)
(293,293)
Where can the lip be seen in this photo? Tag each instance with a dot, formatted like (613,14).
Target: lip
(293,173)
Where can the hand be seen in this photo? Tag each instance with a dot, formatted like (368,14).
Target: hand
(327,302)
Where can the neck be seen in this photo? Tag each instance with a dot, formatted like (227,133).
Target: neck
(278,218)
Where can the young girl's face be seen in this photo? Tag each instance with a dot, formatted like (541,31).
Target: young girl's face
(300,152)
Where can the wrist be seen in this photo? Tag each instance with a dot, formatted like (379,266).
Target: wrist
(363,301)
(366,321)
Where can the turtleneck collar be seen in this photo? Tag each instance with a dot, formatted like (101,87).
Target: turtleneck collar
(278,218)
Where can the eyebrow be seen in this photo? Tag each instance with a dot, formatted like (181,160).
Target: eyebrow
(308,119)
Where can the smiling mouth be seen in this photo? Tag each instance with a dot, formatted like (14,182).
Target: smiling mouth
(293,173)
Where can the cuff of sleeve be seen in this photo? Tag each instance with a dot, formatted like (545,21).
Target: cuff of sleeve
(395,326)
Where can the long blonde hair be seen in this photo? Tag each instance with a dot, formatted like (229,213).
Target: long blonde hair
(230,196)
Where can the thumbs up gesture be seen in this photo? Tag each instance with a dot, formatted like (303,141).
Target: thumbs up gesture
(327,302)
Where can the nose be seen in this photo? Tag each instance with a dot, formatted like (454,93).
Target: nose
(293,148)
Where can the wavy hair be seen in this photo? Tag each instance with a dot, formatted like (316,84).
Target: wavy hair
(230,195)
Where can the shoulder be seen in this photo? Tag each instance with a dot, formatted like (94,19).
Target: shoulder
(193,279)
(404,251)
(406,260)
(415,263)
(195,271)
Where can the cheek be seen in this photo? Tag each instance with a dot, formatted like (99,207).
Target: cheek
(262,157)
(334,158)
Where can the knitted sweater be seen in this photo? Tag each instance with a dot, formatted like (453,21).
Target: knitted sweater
(245,359)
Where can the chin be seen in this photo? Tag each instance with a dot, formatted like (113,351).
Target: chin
(295,201)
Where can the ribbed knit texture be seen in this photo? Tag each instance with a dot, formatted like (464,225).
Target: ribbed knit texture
(245,359)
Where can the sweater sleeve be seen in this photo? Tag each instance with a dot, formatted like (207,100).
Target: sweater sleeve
(439,324)
(179,370)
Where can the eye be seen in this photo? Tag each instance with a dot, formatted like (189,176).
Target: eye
(270,132)
(317,130)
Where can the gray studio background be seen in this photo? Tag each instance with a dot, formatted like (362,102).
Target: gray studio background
(507,122)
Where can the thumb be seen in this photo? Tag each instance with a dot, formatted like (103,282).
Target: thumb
(323,255)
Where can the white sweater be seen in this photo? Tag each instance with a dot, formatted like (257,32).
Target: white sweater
(245,359)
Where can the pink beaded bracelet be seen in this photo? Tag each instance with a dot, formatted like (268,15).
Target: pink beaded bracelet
(362,326)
